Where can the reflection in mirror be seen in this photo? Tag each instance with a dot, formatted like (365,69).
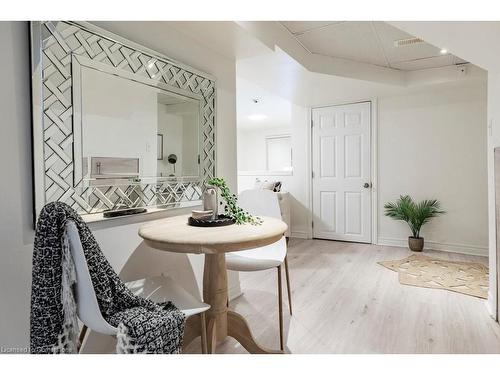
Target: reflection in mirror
(117,125)
(132,131)
(178,126)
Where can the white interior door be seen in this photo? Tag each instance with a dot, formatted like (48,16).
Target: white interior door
(342,172)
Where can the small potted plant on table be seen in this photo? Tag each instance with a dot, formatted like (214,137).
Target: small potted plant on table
(415,215)
(231,208)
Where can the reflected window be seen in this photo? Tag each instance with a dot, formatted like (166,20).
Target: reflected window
(279,153)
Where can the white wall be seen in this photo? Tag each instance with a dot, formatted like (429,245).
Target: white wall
(280,75)
(251,153)
(493,142)
(252,147)
(461,38)
(118,238)
(16,234)
(433,145)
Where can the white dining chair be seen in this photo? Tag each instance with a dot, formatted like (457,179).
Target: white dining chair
(158,289)
(261,202)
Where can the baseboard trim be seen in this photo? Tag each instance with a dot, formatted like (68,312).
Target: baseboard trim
(432,245)
(299,234)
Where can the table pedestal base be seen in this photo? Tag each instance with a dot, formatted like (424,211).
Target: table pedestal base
(221,322)
(237,327)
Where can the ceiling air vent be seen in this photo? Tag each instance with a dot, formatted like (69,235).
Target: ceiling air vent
(407,42)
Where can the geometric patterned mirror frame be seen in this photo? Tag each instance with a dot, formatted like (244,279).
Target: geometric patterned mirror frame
(54,44)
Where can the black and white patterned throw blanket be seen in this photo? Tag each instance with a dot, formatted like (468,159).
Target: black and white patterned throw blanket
(143,326)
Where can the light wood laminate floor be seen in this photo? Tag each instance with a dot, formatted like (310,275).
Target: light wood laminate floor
(344,302)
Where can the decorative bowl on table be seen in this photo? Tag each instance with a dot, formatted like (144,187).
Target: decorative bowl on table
(208,221)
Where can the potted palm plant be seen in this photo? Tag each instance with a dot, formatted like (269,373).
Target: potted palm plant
(415,215)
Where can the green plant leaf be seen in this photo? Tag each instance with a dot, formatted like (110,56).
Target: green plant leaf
(414,214)
(231,208)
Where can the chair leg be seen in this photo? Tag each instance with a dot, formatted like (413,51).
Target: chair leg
(83,332)
(288,285)
(280,307)
(203,333)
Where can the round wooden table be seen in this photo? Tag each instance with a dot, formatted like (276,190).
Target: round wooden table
(175,235)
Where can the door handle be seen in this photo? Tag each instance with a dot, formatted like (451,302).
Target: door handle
(367,185)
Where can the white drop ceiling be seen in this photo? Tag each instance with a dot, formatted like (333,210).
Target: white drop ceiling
(369,42)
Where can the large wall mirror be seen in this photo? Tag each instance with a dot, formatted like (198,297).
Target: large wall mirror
(116,126)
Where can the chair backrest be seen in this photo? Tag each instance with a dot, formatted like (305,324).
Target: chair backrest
(260,202)
(87,307)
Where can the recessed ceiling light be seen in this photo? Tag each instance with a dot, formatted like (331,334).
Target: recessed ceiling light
(443,51)
(257,117)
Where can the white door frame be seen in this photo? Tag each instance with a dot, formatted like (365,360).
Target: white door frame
(374,164)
